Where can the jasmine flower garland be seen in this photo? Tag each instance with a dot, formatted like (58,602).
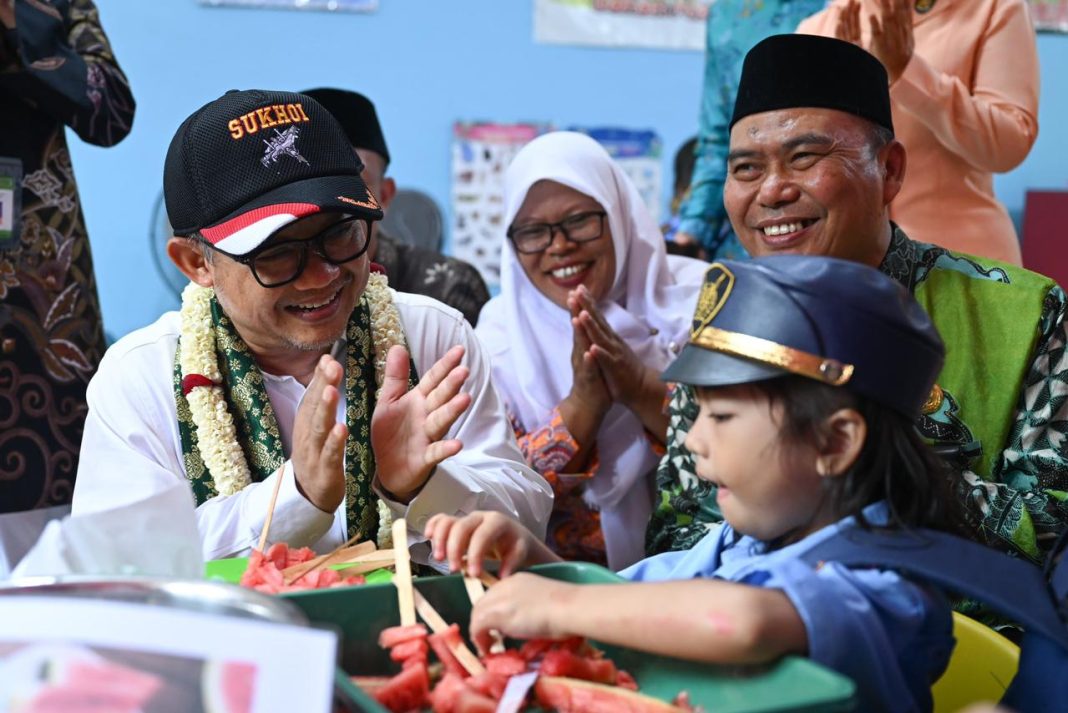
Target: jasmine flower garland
(216,434)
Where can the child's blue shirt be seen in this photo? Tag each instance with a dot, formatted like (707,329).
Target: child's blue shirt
(893,637)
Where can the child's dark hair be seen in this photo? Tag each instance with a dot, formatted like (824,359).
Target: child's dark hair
(895,464)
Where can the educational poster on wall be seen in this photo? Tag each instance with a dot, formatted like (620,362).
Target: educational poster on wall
(1050,15)
(656,24)
(638,152)
(327,5)
(481,152)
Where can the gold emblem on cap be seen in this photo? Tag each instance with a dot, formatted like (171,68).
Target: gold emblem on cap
(795,361)
(719,281)
(934,401)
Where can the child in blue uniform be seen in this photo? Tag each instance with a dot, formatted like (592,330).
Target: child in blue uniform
(810,372)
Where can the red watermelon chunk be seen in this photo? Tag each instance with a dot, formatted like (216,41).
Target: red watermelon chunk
(399,634)
(407,649)
(561,662)
(446,693)
(443,644)
(472,702)
(506,663)
(625,680)
(569,695)
(488,684)
(408,690)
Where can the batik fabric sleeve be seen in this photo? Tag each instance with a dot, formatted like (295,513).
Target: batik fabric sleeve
(686,506)
(56,69)
(65,67)
(574,530)
(1012,462)
(1025,507)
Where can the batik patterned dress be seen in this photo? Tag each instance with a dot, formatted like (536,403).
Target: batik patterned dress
(57,70)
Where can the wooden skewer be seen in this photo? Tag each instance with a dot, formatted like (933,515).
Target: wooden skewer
(292,574)
(403,578)
(365,567)
(474,589)
(378,559)
(430,615)
(270,509)
(474,593)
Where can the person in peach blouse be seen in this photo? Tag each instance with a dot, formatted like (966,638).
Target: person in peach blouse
(964,91)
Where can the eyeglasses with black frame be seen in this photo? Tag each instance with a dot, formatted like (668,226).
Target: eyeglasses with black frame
(534,238)
(278,264)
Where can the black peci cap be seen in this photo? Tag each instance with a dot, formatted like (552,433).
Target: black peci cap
(357,117)
(250,162)
(835,321)
(791,71)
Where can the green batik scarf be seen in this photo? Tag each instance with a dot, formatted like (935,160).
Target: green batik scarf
(257,427)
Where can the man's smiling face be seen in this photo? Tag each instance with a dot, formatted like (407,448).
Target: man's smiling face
(811,181)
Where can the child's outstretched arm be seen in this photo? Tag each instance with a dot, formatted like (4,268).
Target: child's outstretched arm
(482,535)
(700,619)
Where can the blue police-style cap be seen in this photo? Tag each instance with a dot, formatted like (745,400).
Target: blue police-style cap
(835,321)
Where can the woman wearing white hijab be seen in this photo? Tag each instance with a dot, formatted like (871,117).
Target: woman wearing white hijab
(591,310)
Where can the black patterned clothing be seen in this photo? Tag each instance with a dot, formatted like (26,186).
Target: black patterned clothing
(1015,491)
(425,272)
(56,70)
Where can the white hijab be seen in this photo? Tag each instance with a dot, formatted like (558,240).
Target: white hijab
(650,306)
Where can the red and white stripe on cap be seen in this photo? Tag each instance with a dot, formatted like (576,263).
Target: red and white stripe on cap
(247,231)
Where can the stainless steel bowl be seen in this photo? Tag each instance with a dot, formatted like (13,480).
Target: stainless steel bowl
(190,595)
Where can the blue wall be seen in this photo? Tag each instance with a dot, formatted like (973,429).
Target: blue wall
(426,63)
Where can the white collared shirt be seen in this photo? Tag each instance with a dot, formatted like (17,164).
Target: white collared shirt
(132,449)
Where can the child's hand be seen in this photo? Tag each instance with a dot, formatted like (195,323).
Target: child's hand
(479,536)
(524,606)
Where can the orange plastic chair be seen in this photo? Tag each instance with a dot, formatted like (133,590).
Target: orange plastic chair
(981,668)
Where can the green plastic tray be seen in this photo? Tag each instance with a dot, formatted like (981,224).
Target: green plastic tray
(360,613)
(230,570)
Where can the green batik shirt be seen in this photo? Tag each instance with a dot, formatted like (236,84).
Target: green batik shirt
(1014,495)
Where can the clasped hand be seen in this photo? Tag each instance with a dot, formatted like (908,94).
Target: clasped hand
(599,351)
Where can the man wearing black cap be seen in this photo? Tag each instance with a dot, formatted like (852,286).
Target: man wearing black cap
(410,268)
(813,165)
(294,388)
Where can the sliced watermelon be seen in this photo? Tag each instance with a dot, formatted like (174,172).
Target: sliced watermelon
(569,695)
(506,663)
(488,684)
(408,690)
(625,680)
(446,693)
(561,662)
(407,649)
(394,635)
(473,702)
(443,643)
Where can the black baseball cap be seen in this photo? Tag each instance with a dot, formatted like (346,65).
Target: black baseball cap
(250,162)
